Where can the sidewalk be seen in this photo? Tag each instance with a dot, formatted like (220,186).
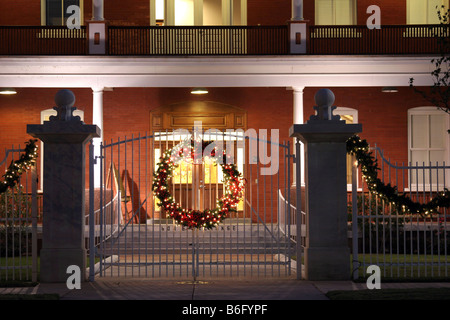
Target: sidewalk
(243,290)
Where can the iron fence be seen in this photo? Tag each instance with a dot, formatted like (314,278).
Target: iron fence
(403,245)
(19,225)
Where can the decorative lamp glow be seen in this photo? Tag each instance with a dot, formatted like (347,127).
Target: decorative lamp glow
(199,91)
(8,91)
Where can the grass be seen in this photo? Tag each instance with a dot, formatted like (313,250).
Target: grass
(391,294)
(406,267)
(21,277)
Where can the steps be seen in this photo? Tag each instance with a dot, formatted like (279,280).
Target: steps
(228,239)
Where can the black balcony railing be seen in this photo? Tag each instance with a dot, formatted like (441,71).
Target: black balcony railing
(207,40)
(42,40)
(393,39)
(225,40)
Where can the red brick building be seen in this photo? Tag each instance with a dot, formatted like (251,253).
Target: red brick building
(264,58)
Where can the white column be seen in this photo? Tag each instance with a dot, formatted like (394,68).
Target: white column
(97,7)
(169,13)
(298,119)
(97,119)
(297,10)
(227,12)
(198,12)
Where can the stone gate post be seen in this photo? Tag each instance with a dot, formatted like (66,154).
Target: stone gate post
(65,137)
(327,256)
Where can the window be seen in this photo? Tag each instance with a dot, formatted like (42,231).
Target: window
(424,11)
(349,116)
(335,12)
(428,143)
(54,12)
(198,12)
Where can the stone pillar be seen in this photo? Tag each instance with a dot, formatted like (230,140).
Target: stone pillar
(65,137)
(97,119)
(327,256)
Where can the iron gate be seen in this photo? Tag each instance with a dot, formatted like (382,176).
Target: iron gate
(133,236)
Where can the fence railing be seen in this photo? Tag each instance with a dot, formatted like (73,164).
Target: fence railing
(196,40)
(390,39)
(19,225)
(402,245)
(42,40)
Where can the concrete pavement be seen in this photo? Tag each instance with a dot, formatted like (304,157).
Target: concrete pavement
(109,288)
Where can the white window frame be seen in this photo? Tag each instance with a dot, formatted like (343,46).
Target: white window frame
(44,12)
(430,111)
(343,111)
(333,22)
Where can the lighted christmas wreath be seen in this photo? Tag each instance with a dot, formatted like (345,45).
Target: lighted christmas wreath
(369,167)
(191,218)
(17,167)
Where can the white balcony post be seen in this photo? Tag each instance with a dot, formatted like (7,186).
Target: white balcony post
(227,12)
(198,12)
(169,12)
(97,7)
(97,119)
(298,119)
(297,10)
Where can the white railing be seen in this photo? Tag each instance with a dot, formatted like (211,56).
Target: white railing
(18,226)
(402,245)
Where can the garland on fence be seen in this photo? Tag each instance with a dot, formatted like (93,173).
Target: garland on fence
(190,218)
(369,167)
(16,168)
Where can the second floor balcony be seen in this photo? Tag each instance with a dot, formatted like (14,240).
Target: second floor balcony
(225,40)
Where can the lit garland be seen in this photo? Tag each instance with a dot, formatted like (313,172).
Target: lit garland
(16,168)
(369,168)
(190,218)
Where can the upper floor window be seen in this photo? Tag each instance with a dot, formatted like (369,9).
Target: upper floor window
(335,12)
(424,11)
(55,11)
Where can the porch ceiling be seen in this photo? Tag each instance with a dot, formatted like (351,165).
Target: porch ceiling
(254,71)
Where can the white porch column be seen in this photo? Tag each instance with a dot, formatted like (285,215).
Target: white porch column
(97,8)
(169,12)
(298,119)
(297,10)
(227,12)
(97,119)
(198,12)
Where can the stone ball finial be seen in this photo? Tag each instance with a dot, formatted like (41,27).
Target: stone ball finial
(324,97)
(65,98)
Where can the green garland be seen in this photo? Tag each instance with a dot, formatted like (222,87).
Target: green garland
(16,168)
(369,167)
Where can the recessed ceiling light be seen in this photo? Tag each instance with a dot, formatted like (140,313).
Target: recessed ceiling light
(8,91)
(199,91)
(389,89)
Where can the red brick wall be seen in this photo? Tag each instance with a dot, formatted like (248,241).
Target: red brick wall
(392,12)
(268,12)
(20,12)
(136,12)
(127,112)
